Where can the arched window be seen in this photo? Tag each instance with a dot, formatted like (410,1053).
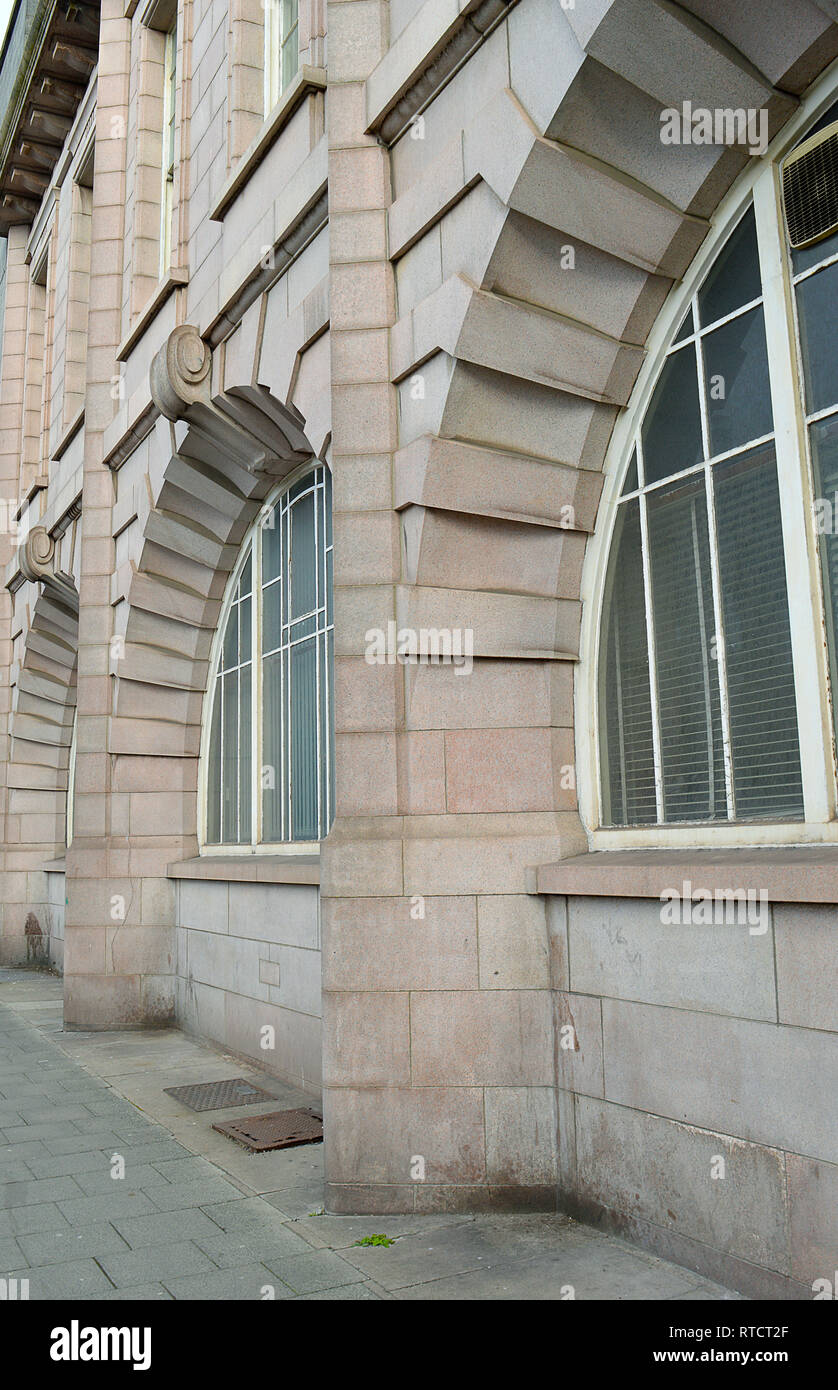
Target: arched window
(269,743)
(716,651)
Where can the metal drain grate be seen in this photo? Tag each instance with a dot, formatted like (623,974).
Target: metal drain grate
(282,1130)
(218,1095)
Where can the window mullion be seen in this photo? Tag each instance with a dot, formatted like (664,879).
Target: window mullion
(800,546)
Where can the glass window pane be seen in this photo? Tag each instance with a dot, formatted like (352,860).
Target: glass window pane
(304,762)
(271,624)
(214,770)
(229,769)
(272,777)
(230,646)
(245,755)
(625,712)
(817,308)
(736,380)
(692,748)
(734,279)
(687,327)
(327,764)
(630,483)
(824,437)
(761,697)
(671,434)
(806,256)
(271,549)
(245,630)
(303,568)
(246,582)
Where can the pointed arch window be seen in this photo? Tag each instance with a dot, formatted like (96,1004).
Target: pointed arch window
(269,748)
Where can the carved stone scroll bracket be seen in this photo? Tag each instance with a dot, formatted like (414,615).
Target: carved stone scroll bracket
(180,372)
(36,558)
(247,424)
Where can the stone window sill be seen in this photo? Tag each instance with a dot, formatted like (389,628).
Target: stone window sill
(253,868)
(804,874)
(54,866)
(306,81)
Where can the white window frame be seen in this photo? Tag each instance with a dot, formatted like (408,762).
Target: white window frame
(255,846)
(276,41)
(795,481)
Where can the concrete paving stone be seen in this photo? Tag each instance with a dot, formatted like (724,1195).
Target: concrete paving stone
(137,1293)
(25,1220)
(156,1263)
(171,1196)
(340,1232)
(151,1153)
(298,1201)
(77,1242)
(9,1118)
(356,1293)
(43,1093)
(80,1211)
(160,1227)
(29,1134)
(81,1143)
(25,1194)
(240,1285)
(416,1259)
(593,1272)
(22,1153)
(273,1245)
(321,1269)
(186,1169)
(15,1171)
(53,1115)
(71,1165)
(138,1177)
(706,1293)
(249,1217)
(75,1279)
(11,1255)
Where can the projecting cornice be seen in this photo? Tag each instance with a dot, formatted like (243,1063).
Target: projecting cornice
(414,70)
(47,62)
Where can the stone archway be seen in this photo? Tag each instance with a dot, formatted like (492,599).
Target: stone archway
(41,726)
(221,449)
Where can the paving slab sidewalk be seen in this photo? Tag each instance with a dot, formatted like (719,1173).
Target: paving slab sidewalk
(194,1216)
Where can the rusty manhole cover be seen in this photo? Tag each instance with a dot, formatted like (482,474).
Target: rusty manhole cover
(218,1095)
(284,1129)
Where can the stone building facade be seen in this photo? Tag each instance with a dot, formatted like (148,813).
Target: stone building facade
(431,255)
